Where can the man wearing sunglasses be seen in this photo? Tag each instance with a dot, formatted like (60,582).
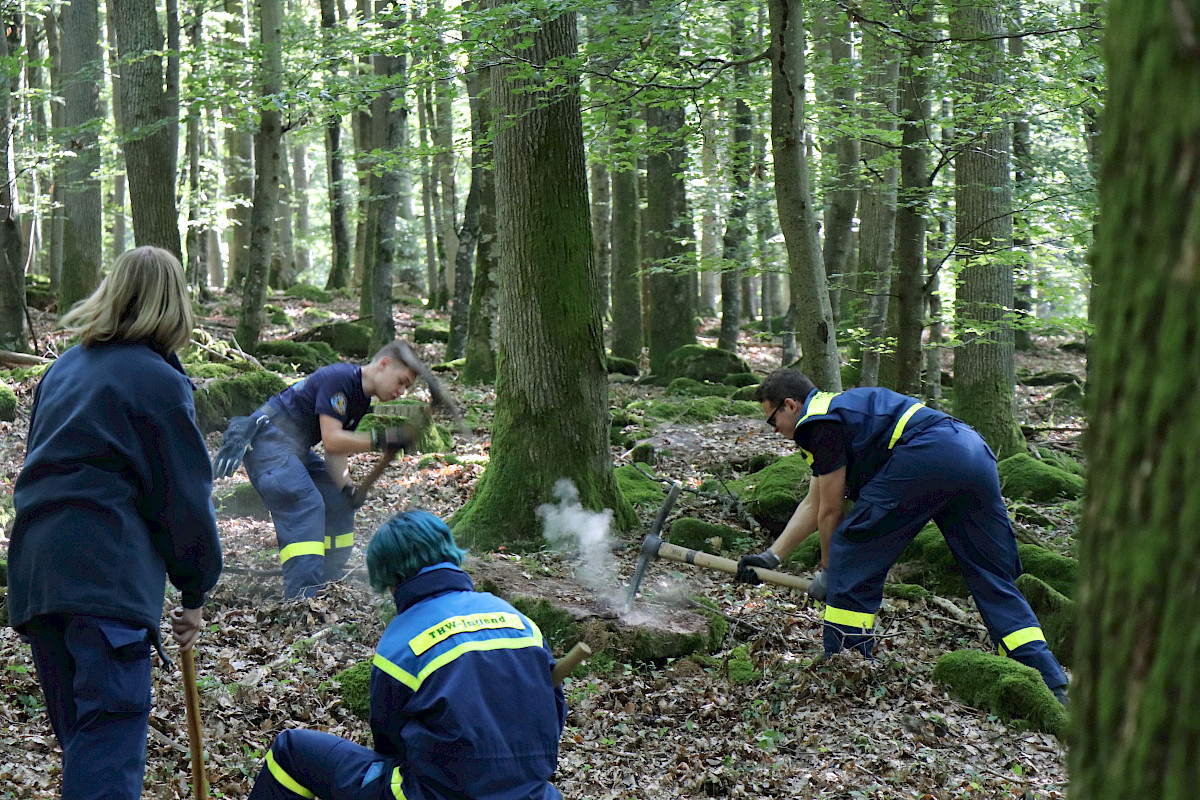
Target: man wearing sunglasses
(902,464)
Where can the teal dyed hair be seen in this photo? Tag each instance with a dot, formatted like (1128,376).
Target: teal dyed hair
(406,544)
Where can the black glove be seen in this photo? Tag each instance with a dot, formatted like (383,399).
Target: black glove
(819,585)
(350,498)
(400,437)
(766,559)
(237,439)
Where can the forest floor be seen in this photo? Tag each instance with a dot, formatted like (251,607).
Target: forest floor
(800,728)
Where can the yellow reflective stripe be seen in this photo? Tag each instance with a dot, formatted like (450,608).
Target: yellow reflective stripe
(397,791)
(343,540)
(285,780)
(851,619)
(463,624)
(301,549)
(819,405)
(414,681)
(899,429)
(1023,636)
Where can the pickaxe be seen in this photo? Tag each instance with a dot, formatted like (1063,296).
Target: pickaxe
(654,547)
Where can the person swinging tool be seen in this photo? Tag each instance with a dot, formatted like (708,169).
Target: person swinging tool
(902,464)
(311,499)
(463,703)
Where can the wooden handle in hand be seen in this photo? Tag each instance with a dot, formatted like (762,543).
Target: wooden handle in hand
(673,552)
(191,699)
(567,664)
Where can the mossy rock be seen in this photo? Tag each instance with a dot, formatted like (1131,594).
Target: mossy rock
(307,357)
(702,363)
(8,403)
(313,312)
(706,537)
(1078,348)
(622,366)
(1050,378)
(686,387)
(1062,461)
(928,562)
(241,501)
(355,685)
(746,394)
(1030,516)
(772,494)
(428,334)
(38,293)
(695,409)
(760,461)
(1059,571)
(1068,393)
(234,397)
(905,591)
(305,291)
(276,315)
(1002,686)
(210,369)
(741,379)
(433,439)
(560,628)
(637,488)
(644,453)
(807,555)
(1023,477)
(348,339)
(740,668)
(1056,613)
(628,439)
(454,365)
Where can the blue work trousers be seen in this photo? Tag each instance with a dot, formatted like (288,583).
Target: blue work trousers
(314,525)
(310,764)
(947,474)
(95,674)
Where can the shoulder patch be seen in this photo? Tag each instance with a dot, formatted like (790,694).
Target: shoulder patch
(338,401)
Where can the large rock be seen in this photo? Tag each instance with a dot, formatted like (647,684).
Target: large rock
(702,364)
(1023,477)
(349,339)
(1002,686)
(241,501)
(8,404)
(772,493)
(238,396)
(1056,613)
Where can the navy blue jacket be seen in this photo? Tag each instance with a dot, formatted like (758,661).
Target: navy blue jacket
(334,390)
(116,491)
(874,421)
(461,694)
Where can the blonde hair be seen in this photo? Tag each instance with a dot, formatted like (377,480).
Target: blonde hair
(144,297)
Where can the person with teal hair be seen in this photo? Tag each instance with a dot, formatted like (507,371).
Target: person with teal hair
(462,700)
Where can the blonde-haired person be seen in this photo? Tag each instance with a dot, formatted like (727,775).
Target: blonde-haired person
(113,499)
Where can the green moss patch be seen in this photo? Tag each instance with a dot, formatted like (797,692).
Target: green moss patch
(430,333)
(702,363)
(772,494)
(1002,686)
(306,357)
(694,409)
(433,439)
(928,562)
(1061,460)
(1058,571)
(740,668)
(304,291)
(622,366)
(686,387)
(348,339)
(355,685)
(1023,477)
(1056,613)
(741,379)
(707,537)
(8,403)
(558,626)
(807,554)
(241,501)
(234,397)
(637,488)
(905,591)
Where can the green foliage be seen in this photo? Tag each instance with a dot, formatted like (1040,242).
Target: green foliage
(638,489)
(355,685)
(304,291)
(1023,477)
(307,357)
(707,537)
(1005,687)
(1056,613)
(234,397)
(702,363)
(8,403)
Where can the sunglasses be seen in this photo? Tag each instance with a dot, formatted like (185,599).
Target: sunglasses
(771,419)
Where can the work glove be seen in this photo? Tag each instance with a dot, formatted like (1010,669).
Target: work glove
(350,497)
(766,559)
(399,437)
(819,585)
(237,439)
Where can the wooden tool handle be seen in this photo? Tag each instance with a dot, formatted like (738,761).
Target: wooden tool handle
(673,552)
(385,458)
(191,698)
(567,664)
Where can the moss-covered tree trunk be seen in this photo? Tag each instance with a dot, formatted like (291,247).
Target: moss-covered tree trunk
(984,372)
(551,418)
(13,333)
(1137,656)
(627,334)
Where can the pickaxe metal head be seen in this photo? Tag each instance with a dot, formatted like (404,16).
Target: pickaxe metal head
(652,543)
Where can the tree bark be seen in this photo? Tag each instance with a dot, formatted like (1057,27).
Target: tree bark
(1133,731)
(551,419)
(300,204)
(483,323)
(810,310)
(735,243)
(196,239)
(149,126)
(116,201)
(468,235)
(268,148)
(335,164)
(13,315)
(239,156)
(628,337)
(984,371)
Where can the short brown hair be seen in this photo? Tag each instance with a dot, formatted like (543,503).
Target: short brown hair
(782,384)
(143,297)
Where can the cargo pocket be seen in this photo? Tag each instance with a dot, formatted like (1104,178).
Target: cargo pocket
(114,677)
(873,515)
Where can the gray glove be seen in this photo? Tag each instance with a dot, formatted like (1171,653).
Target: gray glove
(819,585)
(237,439)
(399,437)
(766,559)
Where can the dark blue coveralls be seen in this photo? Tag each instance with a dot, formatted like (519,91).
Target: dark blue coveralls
(314,524)
(462,705)
(114,498)
(907,464)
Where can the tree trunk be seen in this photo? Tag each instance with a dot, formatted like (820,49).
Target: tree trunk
(1133,731)
(55,218)
(429,205)
(335,164)
(460,315)
(984,373)
(812,319)
(669,253)
(283,259)
(551,419)
(1022,183)
(447,191)
(628,336)
(300,203)
(80,80)
(268,148)
(480,352)
(710,215)
(196,239)
(116,200)
(735,245)
(13,315)
(239,157)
